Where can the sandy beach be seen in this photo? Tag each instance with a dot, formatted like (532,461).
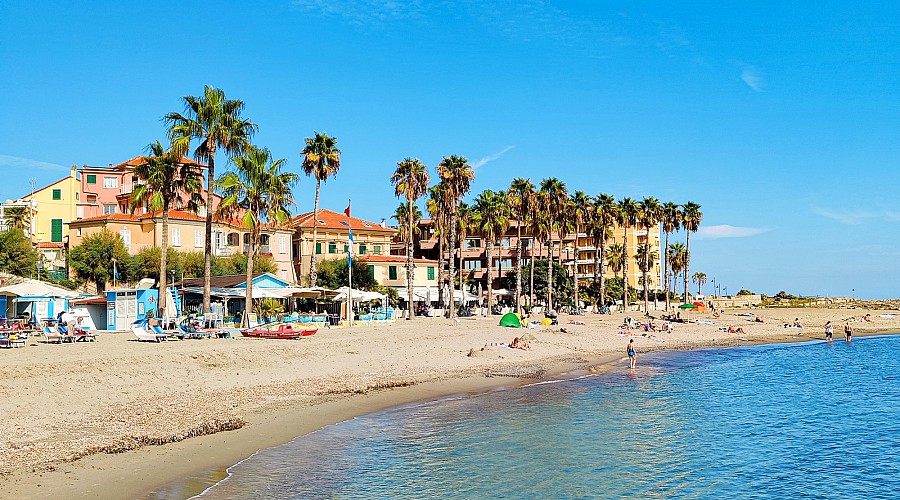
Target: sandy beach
(119,419)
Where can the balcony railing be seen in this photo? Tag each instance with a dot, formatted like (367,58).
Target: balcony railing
(259,250)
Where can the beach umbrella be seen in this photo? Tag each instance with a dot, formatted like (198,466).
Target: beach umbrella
(687,306)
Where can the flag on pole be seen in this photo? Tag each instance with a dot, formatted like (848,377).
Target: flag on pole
(350,249)
(347,211)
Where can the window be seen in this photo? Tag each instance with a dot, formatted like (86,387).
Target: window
(176,237)
(377,250)
(109,209)
(91,179)
(430,274)
(282,244)
(198,238)
(126,238)
(504,263)
(504,243)
(332,247)
(372,272)
(283,274)
(346,248)
(472,264)
(472,243)
(263,239)
(57,194)
(110,182)
(362,249)
(79,231)
(56,230)
(526,243)
(392,272)
(319,249)
(232,239)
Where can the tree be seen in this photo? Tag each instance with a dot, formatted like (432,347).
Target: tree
(410,181)
(649,212)
(605,218)
(581,213)
(259,191)
(555,196)
(645,255)
(456,176)
(541,226)
(92,260)
(463,225)
(671,221)
(699,279)
(520,196)
(321,159)
(18,217)
(691,223)
(17,256)
(744,292)
(676,257)
(437,209)
(562,284)
(401,214)
(166,181)
(616,258)
(491,217)
(333,273)
(216,122)
(627,217)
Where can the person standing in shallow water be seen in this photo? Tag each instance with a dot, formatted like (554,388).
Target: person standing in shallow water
(848,332)
(829,332)
(631,354)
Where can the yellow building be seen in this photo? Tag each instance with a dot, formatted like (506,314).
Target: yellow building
(54,208)
(584,261)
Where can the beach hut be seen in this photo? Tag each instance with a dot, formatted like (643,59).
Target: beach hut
(511,320)
(33,298)
(124,306)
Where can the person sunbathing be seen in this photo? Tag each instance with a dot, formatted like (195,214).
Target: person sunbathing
(732,329)
(518,343)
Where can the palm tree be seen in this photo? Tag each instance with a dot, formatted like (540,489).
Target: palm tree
(676,258)
(627,217)
(691,223)
(671,221)
(645,256)
(17,217)
(648,215)
(260,193)
(321,159)
(216,122)
(491,214)
(606,208)
(699,279)
(410,181)
(581,213)
(556,197)
(615,258)
(541,227)
(520,195)
(401,215)
(456,176)
(463,224)
(167,181)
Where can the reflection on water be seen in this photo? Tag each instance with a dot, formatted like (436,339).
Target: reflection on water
(778,421)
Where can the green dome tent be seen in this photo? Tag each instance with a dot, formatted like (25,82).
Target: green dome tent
(511,320)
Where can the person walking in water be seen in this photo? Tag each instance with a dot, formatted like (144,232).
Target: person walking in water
(848,332)
(829,332)
(631,355)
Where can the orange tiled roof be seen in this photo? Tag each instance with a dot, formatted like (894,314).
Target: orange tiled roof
(140,160)
(173,214)
(49,244)
(401,259)
(115,216)
(334,220)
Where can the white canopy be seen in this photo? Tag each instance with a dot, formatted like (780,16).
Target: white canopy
(358,295)
(431,294)
(35,288)
(237,293)
(316,292)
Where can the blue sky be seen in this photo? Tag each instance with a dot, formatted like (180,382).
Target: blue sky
(779,118)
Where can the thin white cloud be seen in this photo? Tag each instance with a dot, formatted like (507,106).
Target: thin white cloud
(491,157)
(754,78)
(25,164)
(855,217)
(726,231)
(364,12)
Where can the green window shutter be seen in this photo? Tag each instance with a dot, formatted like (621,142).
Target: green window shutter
(57,194)
(56,230)
(430,273)
(362,249)
(392,272)
(332,247)
(346,248)
(372,272)
(377,249)
(318,248)
(91,179)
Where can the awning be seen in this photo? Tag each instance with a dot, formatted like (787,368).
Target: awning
(35,288)
(358,295)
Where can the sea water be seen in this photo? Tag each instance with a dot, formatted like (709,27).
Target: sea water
(810,420)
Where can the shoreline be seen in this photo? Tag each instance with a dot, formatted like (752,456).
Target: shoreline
(187,467)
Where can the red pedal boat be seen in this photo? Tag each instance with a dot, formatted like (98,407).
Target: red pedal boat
(282,332)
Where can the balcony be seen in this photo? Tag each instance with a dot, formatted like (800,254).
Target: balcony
(262,249)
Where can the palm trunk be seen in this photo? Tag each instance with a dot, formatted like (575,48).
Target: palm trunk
(312,257)
(603,267)
(666,271)
(644,279)
(161,301)
(207,245)
(575,269)
(625,271)
(687,264)
(451,245)
(409,260)
(248,298)
(440,273)
(490,277)
(531,277)
(550,274)
(519,267)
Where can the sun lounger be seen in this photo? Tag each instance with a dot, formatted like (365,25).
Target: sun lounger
(142,334)
(190,332)
(13,341)
(59,336)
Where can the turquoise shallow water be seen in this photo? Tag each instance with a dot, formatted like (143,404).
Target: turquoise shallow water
(807,420)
